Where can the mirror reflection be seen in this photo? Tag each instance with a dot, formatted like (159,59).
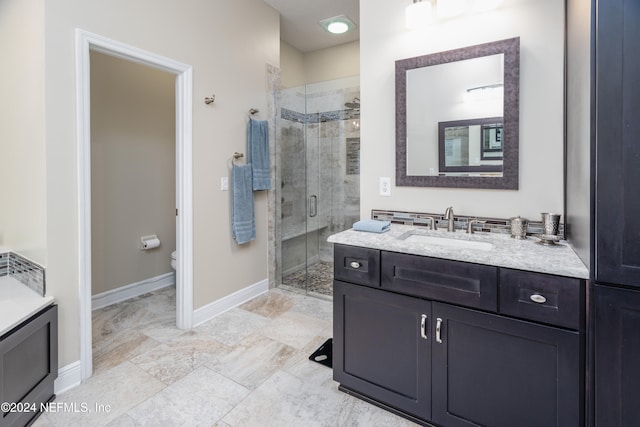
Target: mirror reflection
(467,147)
(458,91)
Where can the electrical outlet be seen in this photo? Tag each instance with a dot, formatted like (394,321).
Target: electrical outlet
(385,186)
(224,183)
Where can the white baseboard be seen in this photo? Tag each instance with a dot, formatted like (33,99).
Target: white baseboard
(216,308)
(126,292)
(68,377)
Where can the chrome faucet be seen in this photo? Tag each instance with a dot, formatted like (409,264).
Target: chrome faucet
(448,215)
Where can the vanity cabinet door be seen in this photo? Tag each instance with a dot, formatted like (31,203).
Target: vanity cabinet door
(617,356)
(494,371)
(617,101)
(382,347)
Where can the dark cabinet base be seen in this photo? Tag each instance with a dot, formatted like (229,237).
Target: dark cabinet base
(617,356)
(28,367)
(495,371)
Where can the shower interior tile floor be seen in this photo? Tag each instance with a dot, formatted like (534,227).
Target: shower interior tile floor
(247,367)
(318,278)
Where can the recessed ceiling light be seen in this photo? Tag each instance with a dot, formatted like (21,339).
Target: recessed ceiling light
(337,25)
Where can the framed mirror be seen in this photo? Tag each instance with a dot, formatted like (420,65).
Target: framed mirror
(457,117)
(471,146)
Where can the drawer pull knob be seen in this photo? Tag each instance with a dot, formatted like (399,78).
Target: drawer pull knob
(355,264)
(537,298)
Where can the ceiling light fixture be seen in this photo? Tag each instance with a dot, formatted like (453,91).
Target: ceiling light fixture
(418,14)
(337,25)
(421,13)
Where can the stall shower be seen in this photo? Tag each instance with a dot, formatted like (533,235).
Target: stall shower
(318,179)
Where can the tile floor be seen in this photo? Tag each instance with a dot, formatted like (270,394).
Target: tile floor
(318,278)
(247,367)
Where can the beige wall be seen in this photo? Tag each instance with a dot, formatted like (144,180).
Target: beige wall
(133,166)
(228,43)
(336,62)
(384,39)
(23,219)
(332,63)
(291,66)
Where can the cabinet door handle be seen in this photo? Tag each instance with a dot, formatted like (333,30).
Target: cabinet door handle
(355,264)
(423,327)
(439,330)
(537,298)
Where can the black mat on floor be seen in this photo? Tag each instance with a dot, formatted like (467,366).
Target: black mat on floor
(324,354)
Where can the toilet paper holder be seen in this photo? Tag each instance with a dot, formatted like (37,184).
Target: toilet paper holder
(149,242)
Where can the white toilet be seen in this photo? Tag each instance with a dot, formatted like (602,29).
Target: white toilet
(173,260)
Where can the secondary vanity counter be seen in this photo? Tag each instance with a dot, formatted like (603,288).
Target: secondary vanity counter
(494,249)
(18,303)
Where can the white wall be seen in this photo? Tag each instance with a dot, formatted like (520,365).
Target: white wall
(23,218)
(579,127)
(133,179)
(384,39)
(228,43)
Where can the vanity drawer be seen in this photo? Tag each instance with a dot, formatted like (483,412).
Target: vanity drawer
(461,283)
(356,265)
(541,297)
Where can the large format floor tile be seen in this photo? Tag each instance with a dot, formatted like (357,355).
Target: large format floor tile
(248,367)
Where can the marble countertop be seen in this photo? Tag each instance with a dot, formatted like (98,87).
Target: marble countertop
(18,303)
(528,255)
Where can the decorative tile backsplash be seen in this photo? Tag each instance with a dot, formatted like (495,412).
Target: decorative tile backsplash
(492,225)
(23,270)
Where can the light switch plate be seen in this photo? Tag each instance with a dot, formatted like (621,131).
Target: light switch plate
(385,186)
(224,183)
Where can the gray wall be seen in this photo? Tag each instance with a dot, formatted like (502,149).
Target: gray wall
(578,127)
(132,171)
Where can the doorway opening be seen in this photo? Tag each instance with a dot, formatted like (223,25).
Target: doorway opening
(85,44)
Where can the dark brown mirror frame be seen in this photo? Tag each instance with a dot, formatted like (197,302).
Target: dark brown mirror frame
(511,116)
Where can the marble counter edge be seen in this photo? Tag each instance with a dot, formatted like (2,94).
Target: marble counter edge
(526,255)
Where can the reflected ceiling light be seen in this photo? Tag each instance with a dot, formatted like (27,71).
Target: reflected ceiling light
(418,14)
(337,25)
(484,93)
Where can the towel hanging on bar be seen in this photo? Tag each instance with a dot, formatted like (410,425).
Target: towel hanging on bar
(243,223)
(258,153)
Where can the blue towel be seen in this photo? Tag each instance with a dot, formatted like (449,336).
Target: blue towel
(243,223)
(372,226)
(258,149)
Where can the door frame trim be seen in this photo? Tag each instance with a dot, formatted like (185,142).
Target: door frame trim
(86,42)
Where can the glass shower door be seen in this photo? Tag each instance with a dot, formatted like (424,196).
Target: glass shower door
(318,163)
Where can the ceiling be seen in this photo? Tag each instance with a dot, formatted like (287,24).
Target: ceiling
(299,19)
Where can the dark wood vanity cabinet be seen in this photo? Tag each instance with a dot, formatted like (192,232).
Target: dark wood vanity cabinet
(382,348)
(411,348)
(28,367)
(495,371)
(615,33)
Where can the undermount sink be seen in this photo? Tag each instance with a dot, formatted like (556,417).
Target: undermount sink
(451,242)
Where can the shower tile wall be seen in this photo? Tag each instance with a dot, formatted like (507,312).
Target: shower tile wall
(332,168)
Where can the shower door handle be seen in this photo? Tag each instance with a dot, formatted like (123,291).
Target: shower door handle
(313,206)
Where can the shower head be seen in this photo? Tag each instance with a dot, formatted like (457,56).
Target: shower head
(353,104)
